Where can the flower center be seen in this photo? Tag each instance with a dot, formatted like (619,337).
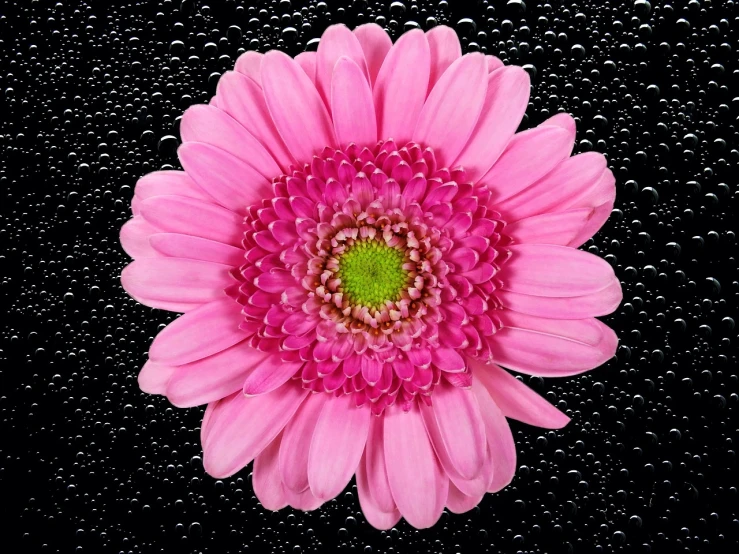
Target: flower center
(372,273)
(371,265)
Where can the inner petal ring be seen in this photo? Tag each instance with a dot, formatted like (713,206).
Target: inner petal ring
(357,259)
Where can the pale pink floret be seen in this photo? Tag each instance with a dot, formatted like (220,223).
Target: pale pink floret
(412,145)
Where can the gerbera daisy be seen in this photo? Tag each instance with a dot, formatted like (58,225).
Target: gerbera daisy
(358,241)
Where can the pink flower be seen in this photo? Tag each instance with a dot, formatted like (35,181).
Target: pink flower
(358,241)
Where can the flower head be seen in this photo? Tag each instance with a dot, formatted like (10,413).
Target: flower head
(358,241)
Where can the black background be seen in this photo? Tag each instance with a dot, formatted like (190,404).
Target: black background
(90,95)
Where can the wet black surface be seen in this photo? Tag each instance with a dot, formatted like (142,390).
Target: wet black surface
(90,94)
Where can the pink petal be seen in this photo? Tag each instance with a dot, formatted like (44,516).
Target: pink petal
(376,470)
(400,90)
(602,191)
(188,216)
(200,333)
(454,337)
(295,106)
(415,188)
(266,241)
(481,273)
(362,190)
(376,517)
(201,123)
(552,192)
(550,228)
(242,98)
(352,365)
(296,441)
(461,428)
(135,201)
(153,377)
(342,347)
(278,281)
(515,399)
(337,42)
(352,107)
(563,120)
(304,501)
(471,487)
(459,503)
(269,375)
(597,219)
(416,479)
(447,359)
(501,446)
(371,369)
(298,324)
(528,157)
(168,183)
(550,270)
(493,63)
(375,44)
(214,408)
(337,445)
(249,64)
(505,103)
(135,237)
(556,348)
(266,481)
(176,245)
(307,60)
(246,426)
(601,302)
(233,183)
(175,280)
(213,377)
(452,108)
(422,378)
(419,356)
(444,48)
(177,307)
(588,331)
(465,259)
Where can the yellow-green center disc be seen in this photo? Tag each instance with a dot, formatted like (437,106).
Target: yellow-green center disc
(372,273)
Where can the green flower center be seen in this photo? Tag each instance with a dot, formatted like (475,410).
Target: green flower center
(372,273)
